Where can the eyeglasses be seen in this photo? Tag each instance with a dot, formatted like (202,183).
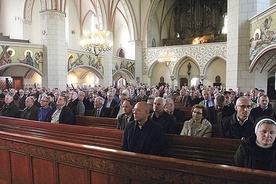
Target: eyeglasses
(43,100)
(244,106)
(197,112)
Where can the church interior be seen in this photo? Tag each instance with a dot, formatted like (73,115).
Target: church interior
(89,44)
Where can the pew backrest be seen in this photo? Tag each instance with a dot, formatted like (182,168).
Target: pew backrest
(212,150)
(96,121)
(50,160)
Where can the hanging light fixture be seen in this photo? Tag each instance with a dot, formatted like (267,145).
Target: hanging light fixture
(167,57)
(96,42)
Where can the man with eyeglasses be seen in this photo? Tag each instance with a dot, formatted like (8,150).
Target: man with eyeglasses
(61,113)
(44,109)
(240,125)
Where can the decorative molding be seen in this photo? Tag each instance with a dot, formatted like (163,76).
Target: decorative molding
(28,10)
(150,22)
(201,53)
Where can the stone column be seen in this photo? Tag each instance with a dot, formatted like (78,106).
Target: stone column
(238,36)
(107,63)
(137,45)
(55,57)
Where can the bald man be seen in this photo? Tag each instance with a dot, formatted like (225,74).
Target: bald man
(143,135)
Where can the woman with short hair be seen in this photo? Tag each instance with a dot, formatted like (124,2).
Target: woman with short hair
(198,125)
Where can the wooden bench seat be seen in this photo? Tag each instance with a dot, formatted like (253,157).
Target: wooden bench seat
(213,150)
(54,153)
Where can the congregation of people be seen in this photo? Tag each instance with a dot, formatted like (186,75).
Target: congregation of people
(145,114)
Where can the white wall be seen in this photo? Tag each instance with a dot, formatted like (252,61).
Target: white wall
(12,18)
(73,32)
(216,67)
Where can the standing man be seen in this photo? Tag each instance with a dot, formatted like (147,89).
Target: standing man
(31,111)
(143,135)
(127,115)
(240,125)
(161,117)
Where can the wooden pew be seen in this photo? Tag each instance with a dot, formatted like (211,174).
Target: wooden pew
(78,134)
(187,110)
(112,123)
(89,112)
(51,157)
(213,150)
(96,121)
(106,122)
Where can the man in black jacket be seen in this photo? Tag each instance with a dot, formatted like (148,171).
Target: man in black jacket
(161,117)
(61,113)
(99,109)
(9,109)
(31,111)
(177,113)
(240,125)
(143,135)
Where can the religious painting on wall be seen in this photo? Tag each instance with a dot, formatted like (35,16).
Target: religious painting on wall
(263,34)
(79,59)
(19,54)
(123,64)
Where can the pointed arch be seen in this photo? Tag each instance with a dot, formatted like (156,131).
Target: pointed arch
(151,68)
(180,62)
(205,67)
(126,72)
(265,60)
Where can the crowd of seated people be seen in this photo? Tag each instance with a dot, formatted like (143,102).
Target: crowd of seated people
(146,113)
(227,111)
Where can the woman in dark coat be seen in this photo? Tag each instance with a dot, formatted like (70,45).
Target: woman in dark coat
(259,151)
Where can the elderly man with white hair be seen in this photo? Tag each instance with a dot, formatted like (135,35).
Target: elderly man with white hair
(177,113)
(160,116)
